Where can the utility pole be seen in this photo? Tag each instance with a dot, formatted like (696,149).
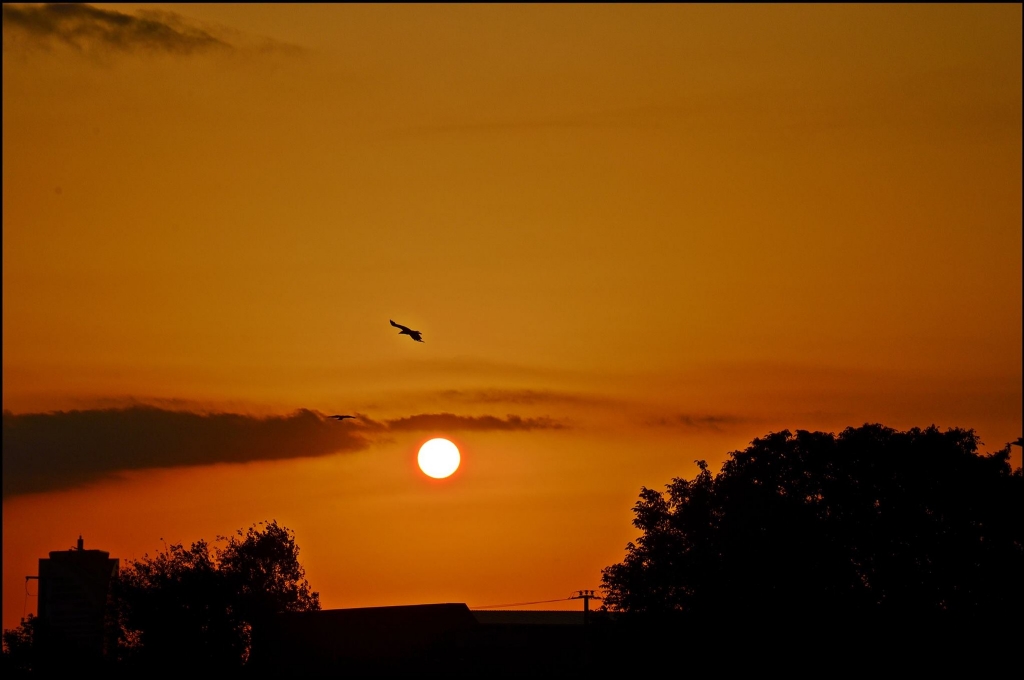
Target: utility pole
(586,596)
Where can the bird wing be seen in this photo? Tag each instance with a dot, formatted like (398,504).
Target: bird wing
(415,335)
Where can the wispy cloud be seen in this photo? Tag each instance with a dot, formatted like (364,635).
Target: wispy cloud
(64,449)
(450,421)
(87,28)
(699,422)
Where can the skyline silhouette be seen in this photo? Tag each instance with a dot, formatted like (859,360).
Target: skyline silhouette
(853,537)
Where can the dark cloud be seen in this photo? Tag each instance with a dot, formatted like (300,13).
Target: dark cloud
(450,421)
(699,422)
(43,451)
(85,27)
(64,449)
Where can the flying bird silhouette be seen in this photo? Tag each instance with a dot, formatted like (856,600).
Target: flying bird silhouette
(342,417)
(415,335)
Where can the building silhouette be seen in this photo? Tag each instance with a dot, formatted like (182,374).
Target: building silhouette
(433,638)
(73,626)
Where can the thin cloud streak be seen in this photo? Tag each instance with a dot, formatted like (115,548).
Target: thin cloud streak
(450,421)
(85,27)
(65,449)
(714,422)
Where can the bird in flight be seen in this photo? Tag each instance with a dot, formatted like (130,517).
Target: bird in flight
(342,417)
(415,335)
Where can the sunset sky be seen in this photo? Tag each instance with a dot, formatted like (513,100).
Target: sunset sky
(632,236)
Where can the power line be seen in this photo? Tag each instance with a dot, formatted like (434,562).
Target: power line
(24,606)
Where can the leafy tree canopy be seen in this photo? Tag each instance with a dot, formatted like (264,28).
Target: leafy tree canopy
(18,655)
(199,604)
(870,522)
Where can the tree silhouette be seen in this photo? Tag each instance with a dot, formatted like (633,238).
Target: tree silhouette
(198,605)
(19,657)
(816,527)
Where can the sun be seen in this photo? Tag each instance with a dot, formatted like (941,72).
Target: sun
(439,458)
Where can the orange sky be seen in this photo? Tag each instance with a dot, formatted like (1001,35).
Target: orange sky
(650,233)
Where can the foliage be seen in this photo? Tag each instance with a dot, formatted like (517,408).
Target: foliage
(199,604)
(870,522)
(18,657)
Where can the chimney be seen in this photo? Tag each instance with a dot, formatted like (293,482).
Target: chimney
(81,543)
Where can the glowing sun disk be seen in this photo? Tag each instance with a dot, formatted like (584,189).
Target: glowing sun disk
(439,458)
